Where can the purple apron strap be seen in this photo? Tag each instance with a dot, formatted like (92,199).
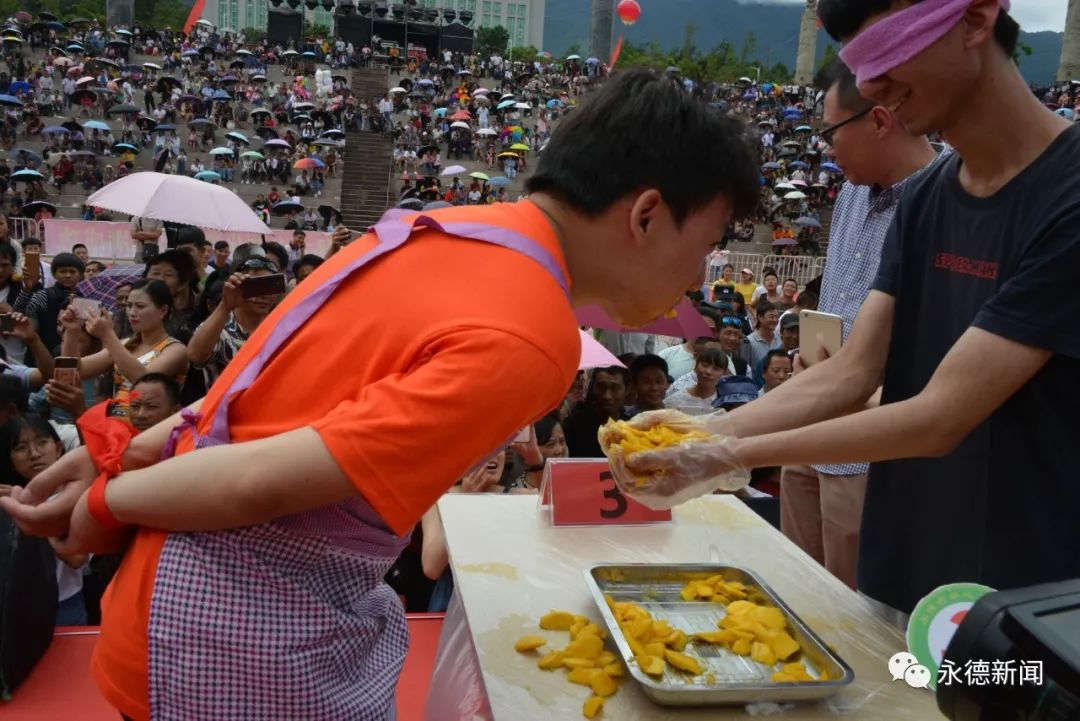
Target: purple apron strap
(392,233)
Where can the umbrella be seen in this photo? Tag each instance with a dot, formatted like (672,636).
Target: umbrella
(259,111)
(573,57)
(554,103)
(308,164)
(221,151)
(520,146)
(308,54)
(799,183)
(202,122)
(189,99)
(479,176)
(123,108)
(807,222)
(72,126)
(507,96)
(398,90)
(288,53)
(178,199)
(277,143)
(27,175)
(454,170)
(425,81)
(207,175)
(45,15)
(238,137)
(771,166)
(507,154)
(440,112)
(102,287)
(487,132)
(84,80)
(253,154)
(832,167)
(303,106)
(123,31)
(25,153)
(55,130)
(125,146)
(166,80)
(63,62)
(266,133)
(593,61)
(784,242)
(328,143)
(784,186)
(21,86)
(481,91)
(10,100)
(190,54)
(686,323)
(522,106)
(229,79)
(794,195)
(221,96)
(29,210)
(75,48)
(500,181)
(328,210)
(482,99)
(285,207)
(151,66)
(460,124)
(803,129)
(332,133)
(55,159)
(799,164)
(505,104)
(243,52)
(164,128)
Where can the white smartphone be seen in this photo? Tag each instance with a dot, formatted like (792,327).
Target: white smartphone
(524,435)
(85,307)
(817,331)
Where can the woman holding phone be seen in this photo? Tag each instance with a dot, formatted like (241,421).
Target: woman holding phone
(150,350)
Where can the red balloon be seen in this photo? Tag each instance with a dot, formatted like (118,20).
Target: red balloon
(629,11)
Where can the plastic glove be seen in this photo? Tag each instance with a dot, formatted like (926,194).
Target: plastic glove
(666,477)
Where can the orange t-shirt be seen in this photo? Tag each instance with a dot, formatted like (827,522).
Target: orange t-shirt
(413,370)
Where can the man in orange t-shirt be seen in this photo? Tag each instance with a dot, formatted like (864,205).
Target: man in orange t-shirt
(297,480)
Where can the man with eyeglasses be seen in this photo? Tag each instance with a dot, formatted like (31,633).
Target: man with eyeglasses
(821,506)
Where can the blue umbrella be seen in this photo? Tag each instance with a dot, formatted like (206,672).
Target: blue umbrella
(285,207)
(308,54)
(26,153)
(125,146)
(220,95)
(55,130)
(95,125)
(57,26)
(164,128)
(439,112)
(593,61)
(749,95)
(506,104)
(799,164)
(75,48)
(230,79)
(554,102)
(27,175)
(807,222)
(803,129)
(832,167)
(208,176)
(190,54)
(499,181)
(21,86)
(1066,113)
(772,166)
(766,87)
(10,100)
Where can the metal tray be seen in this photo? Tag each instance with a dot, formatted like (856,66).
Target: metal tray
(736,679)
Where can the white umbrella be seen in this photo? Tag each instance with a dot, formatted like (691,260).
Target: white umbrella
(480,91)
(523,106)
(454,170)
(745,80)
(398,90)
(573,57)
(152,66)
(482,99)
(202,21)
(487,132)
(460,124)
(795,195)
(179,199)
(784,186)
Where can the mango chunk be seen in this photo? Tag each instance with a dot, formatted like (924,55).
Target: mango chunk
(593,704)
(551,661)
(784,646)
(605,658)
(602,684)
(762,653)
(585,646)
(529,643)
(615,670)
(652,665)
(683,662)
(557,621)
(656,648)
(578,663)
(717,637)
(741,647)
(581,676)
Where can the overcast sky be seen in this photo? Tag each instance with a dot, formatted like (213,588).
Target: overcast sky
(1033,15)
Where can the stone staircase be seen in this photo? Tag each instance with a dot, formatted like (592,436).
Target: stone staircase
(366,179)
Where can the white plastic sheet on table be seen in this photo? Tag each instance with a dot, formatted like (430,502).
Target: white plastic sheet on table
(511,566)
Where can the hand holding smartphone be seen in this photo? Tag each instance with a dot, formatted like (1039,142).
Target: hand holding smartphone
(66,370)
(263,285)
(7,323)
(817,332)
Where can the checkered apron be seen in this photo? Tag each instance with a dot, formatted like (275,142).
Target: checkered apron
(289,620)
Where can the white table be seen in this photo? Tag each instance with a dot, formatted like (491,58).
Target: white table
(511,566)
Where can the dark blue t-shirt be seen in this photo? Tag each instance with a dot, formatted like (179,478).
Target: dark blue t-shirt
(1002,509)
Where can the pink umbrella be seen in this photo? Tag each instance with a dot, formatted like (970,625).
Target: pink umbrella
(179,199)
(595,355)
(461,115)
(687,322)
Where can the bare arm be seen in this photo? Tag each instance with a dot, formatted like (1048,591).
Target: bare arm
(206,336)
(979,374)
(829,388)
(434,556)
(171,361)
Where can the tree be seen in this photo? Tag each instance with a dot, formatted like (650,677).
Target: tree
(254,35)
(574,49)
(829,57)
(489,41)
(525,52)
(749,48)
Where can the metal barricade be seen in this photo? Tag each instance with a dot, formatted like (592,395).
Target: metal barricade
(21,228)
(803,268)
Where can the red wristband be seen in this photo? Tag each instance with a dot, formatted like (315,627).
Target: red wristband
(95,503)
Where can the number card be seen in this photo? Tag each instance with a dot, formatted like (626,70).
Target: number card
(581,492)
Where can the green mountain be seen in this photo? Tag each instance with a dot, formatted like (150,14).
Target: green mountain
(773,26)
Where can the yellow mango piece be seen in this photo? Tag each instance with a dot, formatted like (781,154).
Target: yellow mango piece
(605,658)
(575,629)
(583,620)
(529,643)
(717,637)
(784,646)
(638,628)
(573,663)
(737,608)
(655,648)
(781,677)
(661,629)
(551,661)
(792,668)
(585,646)
(580,676)
(602,684)
(824,676)
(634,440)
(730,621)
(769,617)
(740,632)
(704,590)
(557,621)
(636,647)
(735,593)
(689,592)
(710,679)
(593,629)
(676,640)
(741,647)
(652,665)
(762,653)
(615,670)
(714,580)
(610,602)
(593,704)
(683,662)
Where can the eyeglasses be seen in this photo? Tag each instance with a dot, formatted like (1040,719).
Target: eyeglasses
(257,263)
(828,133)
(731,321)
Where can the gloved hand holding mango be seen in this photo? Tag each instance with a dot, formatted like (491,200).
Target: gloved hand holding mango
(664,458)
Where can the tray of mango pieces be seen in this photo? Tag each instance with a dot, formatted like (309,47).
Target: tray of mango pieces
(695,635)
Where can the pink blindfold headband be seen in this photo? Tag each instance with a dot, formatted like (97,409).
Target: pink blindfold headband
(896,39)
